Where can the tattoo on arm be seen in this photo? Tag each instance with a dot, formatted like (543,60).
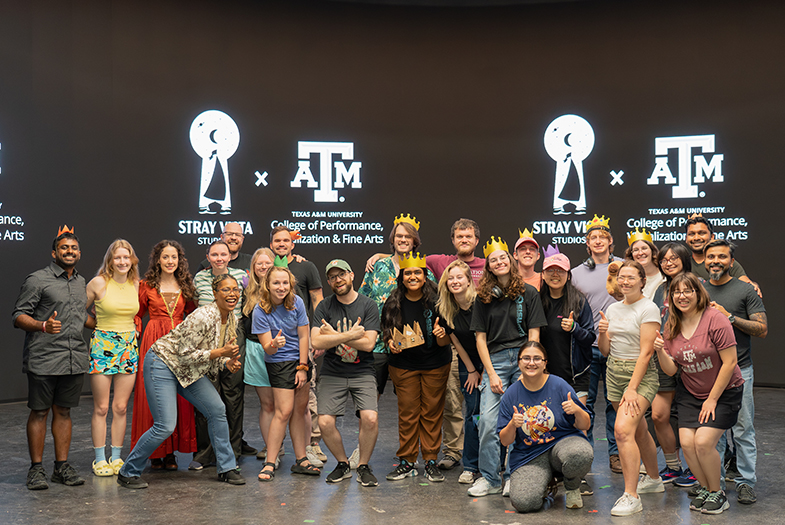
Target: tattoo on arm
(756,325)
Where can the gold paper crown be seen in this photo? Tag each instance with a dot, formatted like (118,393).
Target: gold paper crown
(695,216)
(408,260)
(525,233)
(493,245)
(410,337)
(411,220)
(598,223)
(638,235)
(64,229)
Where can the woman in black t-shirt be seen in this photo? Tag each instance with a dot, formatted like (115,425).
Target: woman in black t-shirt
(456,298)
(419,366)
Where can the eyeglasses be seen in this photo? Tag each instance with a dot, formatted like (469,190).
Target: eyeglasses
(684,293)
(625,279)
(553,270)
(531,359)
(670,260)
(232,234)
(228,291)
(336,276)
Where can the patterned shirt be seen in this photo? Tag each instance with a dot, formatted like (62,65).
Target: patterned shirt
(186,349)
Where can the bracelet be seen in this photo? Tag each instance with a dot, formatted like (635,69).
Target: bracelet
(302,367)
(473,371)
(43,326)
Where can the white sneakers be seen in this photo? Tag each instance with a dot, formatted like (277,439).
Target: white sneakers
(481,488)
(506,489)
(627,505)
(312,459)
(573,499)
(466,477)
(354,459)
(647,485)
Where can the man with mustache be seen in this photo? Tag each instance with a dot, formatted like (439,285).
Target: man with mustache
(739,302)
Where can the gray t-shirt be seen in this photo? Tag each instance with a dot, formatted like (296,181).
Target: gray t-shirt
(741,300)
(737,270)
(591,283)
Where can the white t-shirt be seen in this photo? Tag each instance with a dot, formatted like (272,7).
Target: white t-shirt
(652,283)
(624,326)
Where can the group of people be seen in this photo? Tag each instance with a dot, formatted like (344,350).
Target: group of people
(492,361)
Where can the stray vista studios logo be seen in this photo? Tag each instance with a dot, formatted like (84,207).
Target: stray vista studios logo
(569,140)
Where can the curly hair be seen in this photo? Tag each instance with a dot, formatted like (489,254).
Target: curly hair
(266,300)
(489,281)
(181,274)
(107,268)
(392,315)
(253,292)
(446,304)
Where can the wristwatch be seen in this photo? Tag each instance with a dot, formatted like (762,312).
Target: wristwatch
(732,318)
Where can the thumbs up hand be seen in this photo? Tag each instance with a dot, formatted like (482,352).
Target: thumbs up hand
(279,340)
(568,324)
(602,327)
(517,418)
(569,405)
(659,342)
(438,331)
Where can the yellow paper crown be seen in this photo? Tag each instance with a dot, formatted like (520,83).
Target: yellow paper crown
(64,229)
(638,235)
(493,245)
(408,260)
(408,218)
(525,233)
(598,223)
(695,216)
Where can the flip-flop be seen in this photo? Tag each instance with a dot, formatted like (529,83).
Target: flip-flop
(308,470)
(264,472)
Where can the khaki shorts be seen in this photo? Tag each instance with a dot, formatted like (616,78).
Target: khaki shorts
(619,374)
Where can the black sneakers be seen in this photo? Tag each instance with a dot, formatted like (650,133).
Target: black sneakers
(432,471)
(67,475)
(365,476)
(36,478)
(131,482)
(232,477)
(339,473)
(403,470)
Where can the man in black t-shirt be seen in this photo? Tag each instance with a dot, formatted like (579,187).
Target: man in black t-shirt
(345,325)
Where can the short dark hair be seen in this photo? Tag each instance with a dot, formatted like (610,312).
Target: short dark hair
(465,224)
(218,279)
(277,229)
(719,243)
(66,235)
(696,220)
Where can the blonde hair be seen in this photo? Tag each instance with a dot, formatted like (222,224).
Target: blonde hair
(107,268)
(446,304)
(266,302)
(253,292)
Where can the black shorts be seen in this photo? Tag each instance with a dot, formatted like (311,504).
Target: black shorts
(282,375)
(725,414)
(45,391)
(380,370)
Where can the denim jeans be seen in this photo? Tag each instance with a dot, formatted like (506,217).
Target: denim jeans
(162,388)
(598,366)
(743,435)
(471,436)
(492,454)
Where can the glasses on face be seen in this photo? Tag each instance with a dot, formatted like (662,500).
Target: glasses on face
(684,293)
(230,291)
(554,270)
(531,359)
(670,260)
(334,277)
(625,279)
(232,234)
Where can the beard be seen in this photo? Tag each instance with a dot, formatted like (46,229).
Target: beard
(717,272)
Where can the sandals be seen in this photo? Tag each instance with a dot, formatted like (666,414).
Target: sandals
(269,473)
(308,470)
(170,462)
(102,469)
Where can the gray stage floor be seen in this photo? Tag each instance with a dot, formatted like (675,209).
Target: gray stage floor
(197,497)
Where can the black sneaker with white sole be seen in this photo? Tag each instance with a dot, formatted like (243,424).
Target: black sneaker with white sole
(339,473)
(404,469)
(432,471)
(232,477)
(67,475)
(365,476)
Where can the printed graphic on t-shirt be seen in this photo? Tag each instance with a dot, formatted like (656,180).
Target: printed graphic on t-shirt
(538,423)
(688,355)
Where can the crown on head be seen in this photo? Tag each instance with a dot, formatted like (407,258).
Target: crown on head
(64,229)
(408,260)
(525,233)
(493,245)
(638,235)
(598,223)
(410,337)
(551,250)
(695,216)
(408,218)
(281,262)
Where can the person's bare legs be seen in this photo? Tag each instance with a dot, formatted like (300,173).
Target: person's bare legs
(36,434)
(266,412)
(61,431)
(369,431)
(101,386)
(626,432)
(332,437)
(123,387)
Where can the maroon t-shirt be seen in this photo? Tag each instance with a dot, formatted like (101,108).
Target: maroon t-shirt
(699,356)
(438,263)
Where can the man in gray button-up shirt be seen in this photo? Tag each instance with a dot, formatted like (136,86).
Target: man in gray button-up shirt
(51,309)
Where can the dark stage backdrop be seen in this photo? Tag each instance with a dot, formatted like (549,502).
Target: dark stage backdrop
(152,120)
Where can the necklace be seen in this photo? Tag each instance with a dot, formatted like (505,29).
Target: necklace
(170,307)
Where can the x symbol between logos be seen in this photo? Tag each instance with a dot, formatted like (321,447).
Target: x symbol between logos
(617,178)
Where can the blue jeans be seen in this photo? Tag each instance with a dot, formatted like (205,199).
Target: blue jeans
(744,435)
(162,389)
(471,436)
(598,366)
(492,454)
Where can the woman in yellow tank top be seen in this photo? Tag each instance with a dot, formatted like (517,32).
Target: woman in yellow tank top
(114,351)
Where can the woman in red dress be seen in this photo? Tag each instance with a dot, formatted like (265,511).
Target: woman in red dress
(167,293)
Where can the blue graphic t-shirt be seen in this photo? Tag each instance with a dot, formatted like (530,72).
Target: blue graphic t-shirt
(546,423)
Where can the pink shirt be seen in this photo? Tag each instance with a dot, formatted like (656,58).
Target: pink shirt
(438,263)
(699,356)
